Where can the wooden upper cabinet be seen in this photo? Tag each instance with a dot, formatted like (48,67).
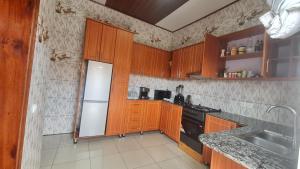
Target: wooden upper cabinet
(176,64)
(92,43)
(150,61)
(212,62)
(123,53)
(152,115)
(187,60)
(214,124)
(108,44)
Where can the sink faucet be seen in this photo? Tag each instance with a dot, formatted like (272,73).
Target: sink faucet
(293,111)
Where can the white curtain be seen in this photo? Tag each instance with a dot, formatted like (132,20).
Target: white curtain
(284,18)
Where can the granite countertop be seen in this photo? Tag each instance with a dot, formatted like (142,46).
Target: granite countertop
(243,152)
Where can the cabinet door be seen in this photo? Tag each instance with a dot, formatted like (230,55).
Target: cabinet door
(134,116)
(149,61)
(123,53)
(152,115)
(92,43)
(117,109)
(197,57)
(175,123)
(219,161)
(137,60)
(165,108)
(165,64)
(108,44)
(212,63)
(214,124)
(176,61)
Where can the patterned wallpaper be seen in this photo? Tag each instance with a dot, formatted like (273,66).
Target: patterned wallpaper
(241,15)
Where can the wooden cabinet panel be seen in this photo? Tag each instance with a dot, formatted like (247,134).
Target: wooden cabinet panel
(108,44)
(219,161)
(212,63)
(197,57)
(123,53)
(150,61)
(175,123)
(214,124)
(134,116)
(171,120)
(152,115)
(137,60)
(92,44)
(176,62)
(117,109)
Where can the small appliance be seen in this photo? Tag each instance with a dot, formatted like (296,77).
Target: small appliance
(144,93)
(162,94)
(179,98)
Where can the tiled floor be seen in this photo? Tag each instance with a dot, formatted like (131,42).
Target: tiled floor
(148,151)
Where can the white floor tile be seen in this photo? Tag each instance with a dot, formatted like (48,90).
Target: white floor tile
(127,144)
(175,163)
(71,154)
(153,139)
(108,162)
(81,164)
(192,162)
(175,149)
(45,167)
(102,148)
(67,139)
(160,153)
(137,158)
(151,166)
(47,157)
(51,142)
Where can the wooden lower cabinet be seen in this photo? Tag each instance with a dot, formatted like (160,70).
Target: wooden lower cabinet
(151,118)
(214,124)
(219,161)
(134,116)
(117,109)
(171,120)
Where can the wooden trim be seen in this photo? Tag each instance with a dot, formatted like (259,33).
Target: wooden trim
(192,153)
(206,16)
(111,25)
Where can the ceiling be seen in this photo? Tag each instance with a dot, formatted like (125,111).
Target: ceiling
(171,15)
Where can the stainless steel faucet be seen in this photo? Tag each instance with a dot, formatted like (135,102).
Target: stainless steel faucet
(293,111)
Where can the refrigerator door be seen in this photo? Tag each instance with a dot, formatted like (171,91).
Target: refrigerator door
(93,119)
(98,79)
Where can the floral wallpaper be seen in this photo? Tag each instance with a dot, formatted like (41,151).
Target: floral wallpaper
(241,15)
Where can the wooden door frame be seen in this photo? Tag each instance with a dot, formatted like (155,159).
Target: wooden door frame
(17,48)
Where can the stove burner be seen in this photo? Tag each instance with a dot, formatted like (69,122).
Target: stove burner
(203,109)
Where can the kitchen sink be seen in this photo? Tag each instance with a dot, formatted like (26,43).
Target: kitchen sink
(271,141)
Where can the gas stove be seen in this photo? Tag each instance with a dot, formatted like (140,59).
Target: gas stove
(193,123)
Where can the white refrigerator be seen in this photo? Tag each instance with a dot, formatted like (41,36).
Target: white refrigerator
(95,99)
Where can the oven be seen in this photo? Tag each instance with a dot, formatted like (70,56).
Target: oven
(192,125)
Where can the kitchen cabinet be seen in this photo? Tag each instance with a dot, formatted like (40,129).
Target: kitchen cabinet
(100,41)
(212,63)
(214,124)
(123,53)
(186,61)
(119,90)
(117,109)
(170,122)
(134,116)
(219,161)
(152,113)
(150,61)
(282,57)
(108,44)
(93,36)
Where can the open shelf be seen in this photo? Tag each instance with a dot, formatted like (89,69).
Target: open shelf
(245,56)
